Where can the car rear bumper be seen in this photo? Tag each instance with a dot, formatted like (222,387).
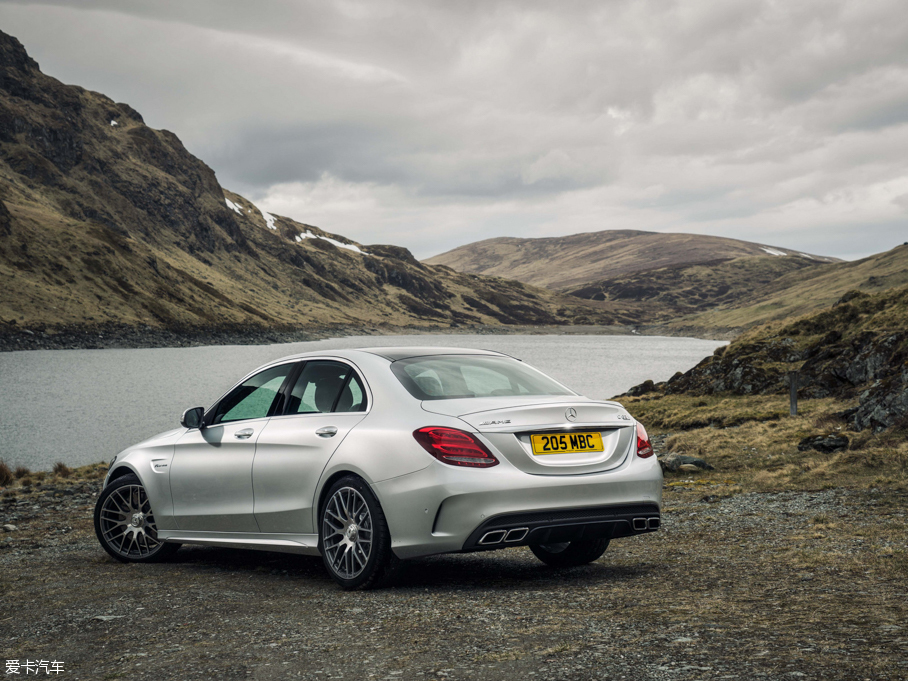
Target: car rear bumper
(553,527)
(443,509)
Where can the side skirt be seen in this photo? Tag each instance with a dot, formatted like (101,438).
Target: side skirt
(305,544)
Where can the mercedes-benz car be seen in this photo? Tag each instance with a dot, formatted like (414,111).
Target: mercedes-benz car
(369,457)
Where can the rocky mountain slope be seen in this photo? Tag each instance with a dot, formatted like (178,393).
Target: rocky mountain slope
(855,350)
(572,262)
(728,296)
(800,291)
(667,294)
(105,222)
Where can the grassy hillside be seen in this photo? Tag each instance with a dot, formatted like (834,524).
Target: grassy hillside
(105,221)
(574,261)
(727,297)
(803,290)
(671,293)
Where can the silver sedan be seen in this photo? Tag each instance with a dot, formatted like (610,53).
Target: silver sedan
(369,457)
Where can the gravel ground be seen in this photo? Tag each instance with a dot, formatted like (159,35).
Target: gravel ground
(792,585)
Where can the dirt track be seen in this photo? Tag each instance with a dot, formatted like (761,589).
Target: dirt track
(792,585)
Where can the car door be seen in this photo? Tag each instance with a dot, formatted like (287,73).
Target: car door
(211,473)
(327,400)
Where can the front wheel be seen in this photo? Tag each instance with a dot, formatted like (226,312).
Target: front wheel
(355,542)
(570,554)
(125,524)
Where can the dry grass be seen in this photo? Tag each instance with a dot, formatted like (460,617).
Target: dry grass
(60,469)
(24,480)
(681,412)
(6,475)
(753,440)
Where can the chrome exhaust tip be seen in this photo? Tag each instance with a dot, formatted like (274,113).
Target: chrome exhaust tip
(653,523)
(516,534)
(492,537)
(639,524)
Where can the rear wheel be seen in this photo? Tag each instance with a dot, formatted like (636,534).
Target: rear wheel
(570,554)
(354,540)
(125,524)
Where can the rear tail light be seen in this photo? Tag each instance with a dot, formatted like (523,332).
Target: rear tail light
(644,448)
(454,447)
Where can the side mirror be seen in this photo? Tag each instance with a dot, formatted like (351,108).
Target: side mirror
(192,418)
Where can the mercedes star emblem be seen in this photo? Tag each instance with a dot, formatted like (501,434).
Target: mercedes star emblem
(570,414)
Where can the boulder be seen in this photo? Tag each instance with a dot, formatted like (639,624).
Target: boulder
(680,462)
(646,387)
(827,444)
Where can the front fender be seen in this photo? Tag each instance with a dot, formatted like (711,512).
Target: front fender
(152,467)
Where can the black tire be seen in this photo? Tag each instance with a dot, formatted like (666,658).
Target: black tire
(125,524)
(381,565)
(570,554)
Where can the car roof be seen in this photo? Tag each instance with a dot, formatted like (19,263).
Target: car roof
(392,354)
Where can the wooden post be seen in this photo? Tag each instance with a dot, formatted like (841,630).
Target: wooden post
(793,391)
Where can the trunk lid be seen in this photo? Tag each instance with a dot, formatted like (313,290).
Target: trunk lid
(508,424)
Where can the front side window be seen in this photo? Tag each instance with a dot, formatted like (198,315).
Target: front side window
(254,397)
(447,377)
(325,386)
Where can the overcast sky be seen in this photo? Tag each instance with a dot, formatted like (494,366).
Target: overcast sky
(433,124)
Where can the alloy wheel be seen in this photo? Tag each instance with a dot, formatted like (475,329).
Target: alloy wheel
(127,523)
(347,533)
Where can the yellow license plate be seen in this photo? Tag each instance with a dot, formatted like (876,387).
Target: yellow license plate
(566,443)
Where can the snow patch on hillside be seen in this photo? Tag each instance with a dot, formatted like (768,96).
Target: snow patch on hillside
(269,219)
(232,206)
(335,242)
(772,251)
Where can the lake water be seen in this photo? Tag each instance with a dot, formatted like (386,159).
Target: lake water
(84,406)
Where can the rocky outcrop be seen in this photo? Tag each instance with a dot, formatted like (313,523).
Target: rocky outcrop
(827,444)
(680,462)
(884,404)
(858,348)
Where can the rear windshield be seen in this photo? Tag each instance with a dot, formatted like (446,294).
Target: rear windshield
(448,377)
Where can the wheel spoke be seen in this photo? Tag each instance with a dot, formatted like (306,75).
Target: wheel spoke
(334,530)
(339,559)
(111,531)
(335,516)
(113,499)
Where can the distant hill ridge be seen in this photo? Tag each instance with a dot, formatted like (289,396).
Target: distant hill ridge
(105,221)
(576,260)
(695,294)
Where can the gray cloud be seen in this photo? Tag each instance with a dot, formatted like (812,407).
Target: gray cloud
(433,124)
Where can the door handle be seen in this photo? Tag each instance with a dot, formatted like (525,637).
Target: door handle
(243,434)
(327,431)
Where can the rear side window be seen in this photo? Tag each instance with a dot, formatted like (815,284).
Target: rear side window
(447,377)
(325,386)
(254,397)
(353,396)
